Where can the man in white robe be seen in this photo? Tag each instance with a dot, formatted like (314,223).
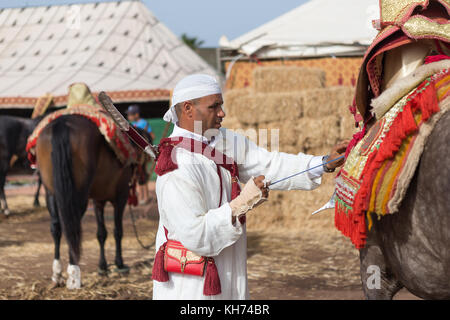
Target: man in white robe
(188,197)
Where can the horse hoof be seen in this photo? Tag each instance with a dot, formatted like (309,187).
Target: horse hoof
(55,285)
(7,212)
(124,270)
(102,272)
(74,279)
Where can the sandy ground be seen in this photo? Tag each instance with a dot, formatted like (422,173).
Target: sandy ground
(282,264)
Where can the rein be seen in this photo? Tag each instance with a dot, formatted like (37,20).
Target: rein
(299,173)
(133,220)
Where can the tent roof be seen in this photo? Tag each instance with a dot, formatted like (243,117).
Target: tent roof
(119,47)
(316,28)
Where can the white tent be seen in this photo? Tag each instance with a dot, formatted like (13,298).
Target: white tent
(119,47)
(316,28)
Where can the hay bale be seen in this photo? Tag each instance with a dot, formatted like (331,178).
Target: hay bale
(347,127)
(287,79)
(233,123)
(322,102)
(262,108)
(297,206)
(268,215)
(230,97)
(292,209)
(315,133)
(289,149)
(287,132)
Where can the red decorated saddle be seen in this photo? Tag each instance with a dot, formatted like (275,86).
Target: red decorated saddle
(116,139)
(381,161)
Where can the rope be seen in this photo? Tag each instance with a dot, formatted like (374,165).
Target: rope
(296,174)
(136,232)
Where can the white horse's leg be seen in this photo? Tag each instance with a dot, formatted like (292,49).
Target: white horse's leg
(3,206)
(3,203)
(57,272)
(74,277)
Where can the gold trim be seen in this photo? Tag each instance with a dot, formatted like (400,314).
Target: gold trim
(394,10)
(419,27)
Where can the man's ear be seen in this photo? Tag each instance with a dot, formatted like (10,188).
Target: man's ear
(187,109)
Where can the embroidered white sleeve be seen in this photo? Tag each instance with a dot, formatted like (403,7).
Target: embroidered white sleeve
(316,172)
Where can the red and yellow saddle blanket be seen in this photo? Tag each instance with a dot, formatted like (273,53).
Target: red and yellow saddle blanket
(116,139)
(379,168)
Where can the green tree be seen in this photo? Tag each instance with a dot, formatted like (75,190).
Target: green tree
(193,42)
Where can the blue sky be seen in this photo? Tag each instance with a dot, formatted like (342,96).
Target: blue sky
(206,19)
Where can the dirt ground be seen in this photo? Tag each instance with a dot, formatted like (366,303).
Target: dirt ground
(300,264)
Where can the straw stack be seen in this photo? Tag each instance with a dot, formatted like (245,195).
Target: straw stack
(278,79)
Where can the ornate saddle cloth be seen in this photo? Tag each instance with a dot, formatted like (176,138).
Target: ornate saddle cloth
(379,168)
(116,139)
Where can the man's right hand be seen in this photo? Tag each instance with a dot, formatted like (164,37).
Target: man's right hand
(254,192)
(264,187)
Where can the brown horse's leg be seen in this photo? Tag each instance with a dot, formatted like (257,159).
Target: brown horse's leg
(36,196)
(101,236)
(3,205)
(55,229)
(378,282)
(119,207)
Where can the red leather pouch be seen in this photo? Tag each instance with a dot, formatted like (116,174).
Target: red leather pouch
(181,260)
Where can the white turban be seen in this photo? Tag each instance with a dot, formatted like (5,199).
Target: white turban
(191,87)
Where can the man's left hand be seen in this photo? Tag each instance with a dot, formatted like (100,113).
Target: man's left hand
(336,152)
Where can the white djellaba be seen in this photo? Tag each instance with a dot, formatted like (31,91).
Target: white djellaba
(188,199)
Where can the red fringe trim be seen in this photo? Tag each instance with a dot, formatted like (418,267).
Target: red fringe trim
(436,58)
(356,138)
(352,223)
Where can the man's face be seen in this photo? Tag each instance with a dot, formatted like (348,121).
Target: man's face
(133,116)
(209,111)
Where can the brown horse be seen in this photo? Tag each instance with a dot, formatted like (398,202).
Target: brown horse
(411,247)
(77,164)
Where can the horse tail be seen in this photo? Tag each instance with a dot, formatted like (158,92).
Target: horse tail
(66,195)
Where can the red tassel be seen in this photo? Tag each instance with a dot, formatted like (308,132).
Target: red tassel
(132,197)
(164,162)
(158,272)
(211,286)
